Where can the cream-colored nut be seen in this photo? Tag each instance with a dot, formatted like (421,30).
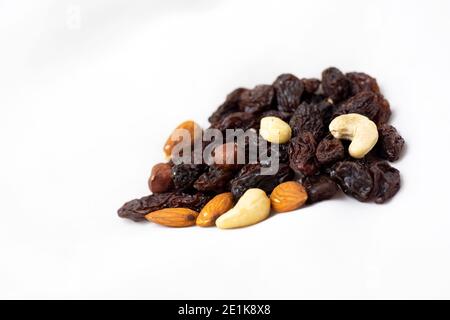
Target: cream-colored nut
(252,207)
(359,129)
(275,130)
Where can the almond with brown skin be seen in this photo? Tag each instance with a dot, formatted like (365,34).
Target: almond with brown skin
(173,217)
(192,129)
(214,209)
(288,196)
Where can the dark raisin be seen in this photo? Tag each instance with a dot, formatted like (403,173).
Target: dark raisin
(302,154)
(281,152)
(353,178)
(365,103)
(236,120)
(327,109)
(314,98)
(311,85)
(360,81)
(308,117)
(390,143)
(214,180)
(257,100)
(137,209)
(230,105)
(289,90)
(251,177)
(319,188)
(335,85)
(369,104)
(196,201)
(184,175)
(330,150)
(386,181)
(385,111)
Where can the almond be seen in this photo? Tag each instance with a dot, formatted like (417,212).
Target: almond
(214,209)
(173,217)
(288,196)
(192,128)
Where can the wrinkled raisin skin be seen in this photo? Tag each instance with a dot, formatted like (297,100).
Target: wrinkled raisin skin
(137,209)
(360,81)
(319,188)
(308,117)
(386,181)
(364,103)
(214,180)
(368,104)
(289,90)
(335,85)
(311,85)
(282,154)
(230,105)
(330,150)
(390,143)
(235,120)
(302,154)
(353,178)
(184,175)
(257,100)
(250,177)
(385,111)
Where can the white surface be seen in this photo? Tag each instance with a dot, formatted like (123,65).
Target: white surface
(87,100)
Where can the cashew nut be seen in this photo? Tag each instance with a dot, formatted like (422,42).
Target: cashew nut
(252,207)
(275,130)
(359,129)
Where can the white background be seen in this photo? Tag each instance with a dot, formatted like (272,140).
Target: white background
(90,90)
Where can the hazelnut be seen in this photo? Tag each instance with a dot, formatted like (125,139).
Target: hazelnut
(161,178)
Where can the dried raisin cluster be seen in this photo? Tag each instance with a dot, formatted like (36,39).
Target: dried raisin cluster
(313,157)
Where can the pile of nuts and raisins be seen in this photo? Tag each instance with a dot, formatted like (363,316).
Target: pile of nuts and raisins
(331,133)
